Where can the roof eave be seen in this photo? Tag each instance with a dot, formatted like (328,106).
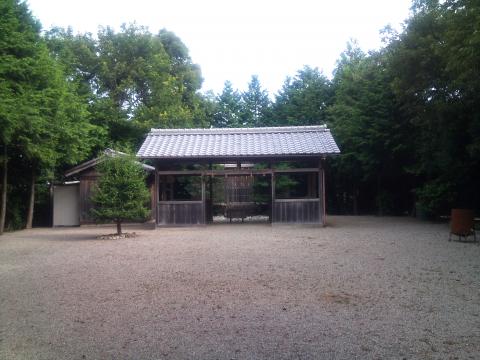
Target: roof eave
(94,162)
(222,157)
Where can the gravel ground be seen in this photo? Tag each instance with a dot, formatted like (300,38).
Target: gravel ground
(364,288)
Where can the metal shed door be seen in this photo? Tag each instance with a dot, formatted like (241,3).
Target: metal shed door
(66,205)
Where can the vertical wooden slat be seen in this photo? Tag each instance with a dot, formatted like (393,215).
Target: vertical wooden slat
(178,213)
(297,211)
(87,184)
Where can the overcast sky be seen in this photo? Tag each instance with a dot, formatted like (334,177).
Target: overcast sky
(232,40)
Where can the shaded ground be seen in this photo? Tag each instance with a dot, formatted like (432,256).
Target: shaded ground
(365,287)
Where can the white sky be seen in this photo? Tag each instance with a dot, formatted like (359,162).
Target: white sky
(232,40)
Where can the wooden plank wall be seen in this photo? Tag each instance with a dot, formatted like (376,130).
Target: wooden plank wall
(87,184)
(297,211)
(178,213)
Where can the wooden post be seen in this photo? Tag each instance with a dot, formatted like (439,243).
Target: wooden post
(320,198)
(204,215)
(324,199)
(156,196)
(273,197)
(210,184)
(321,193)
(210,201)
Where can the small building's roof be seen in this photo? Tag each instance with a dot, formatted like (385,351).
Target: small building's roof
(91,163)
(221,143)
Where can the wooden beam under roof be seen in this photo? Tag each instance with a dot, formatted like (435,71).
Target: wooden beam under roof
(236,171)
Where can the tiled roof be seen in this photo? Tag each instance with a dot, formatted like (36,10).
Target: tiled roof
(94,162)
(238,142)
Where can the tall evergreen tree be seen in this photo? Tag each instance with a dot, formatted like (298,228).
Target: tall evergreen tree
(19,35)
(303,100)
(23,87)
(228,108)
(58,131)
(366,124)
(40,111)
(256,104)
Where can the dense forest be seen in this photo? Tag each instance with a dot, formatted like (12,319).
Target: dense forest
(406,116)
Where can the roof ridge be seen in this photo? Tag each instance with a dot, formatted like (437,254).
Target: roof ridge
(246,130)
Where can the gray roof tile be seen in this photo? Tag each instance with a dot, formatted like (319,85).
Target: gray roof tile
(238,142)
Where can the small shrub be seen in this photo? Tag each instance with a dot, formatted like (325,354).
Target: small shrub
(121,193)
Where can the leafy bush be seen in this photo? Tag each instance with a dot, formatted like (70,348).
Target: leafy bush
(434,197)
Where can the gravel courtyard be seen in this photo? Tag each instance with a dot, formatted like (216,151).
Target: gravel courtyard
(364,287)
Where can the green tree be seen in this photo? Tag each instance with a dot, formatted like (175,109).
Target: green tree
(121,193)
(366,124)
(228,109)
(205,109)
(256,104)
(434,63)
(56,129)
(145,81)
(188,76)
(43,121)
(77,55)
(132,80)
(19,36)
(303,100)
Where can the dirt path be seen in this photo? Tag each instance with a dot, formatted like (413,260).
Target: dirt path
(364,287)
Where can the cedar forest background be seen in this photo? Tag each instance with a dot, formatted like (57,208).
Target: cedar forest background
(406,117)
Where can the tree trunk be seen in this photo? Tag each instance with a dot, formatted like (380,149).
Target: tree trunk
(31,202)
(3,207)
(119,228)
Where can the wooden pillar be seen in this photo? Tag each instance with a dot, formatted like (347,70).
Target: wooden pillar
(204,213)
(321,193)
(156,197)
(210,200)
(324,199)
(210,184)
(273,197)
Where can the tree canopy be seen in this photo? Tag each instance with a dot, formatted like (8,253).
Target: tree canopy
(256,104)
(303,99)
(228,108)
